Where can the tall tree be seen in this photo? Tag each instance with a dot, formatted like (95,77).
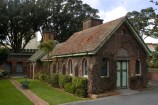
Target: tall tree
(20,19)
(154,59)
(3,55)
(145,22)
(66,17)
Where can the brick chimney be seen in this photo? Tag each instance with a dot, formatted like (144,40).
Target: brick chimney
(48,35)
(91,22)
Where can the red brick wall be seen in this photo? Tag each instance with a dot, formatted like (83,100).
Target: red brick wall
(109,50)
(153,74)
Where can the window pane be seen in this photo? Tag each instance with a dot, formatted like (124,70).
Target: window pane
(104,68)
(70,66)
(84,67)
(138,66)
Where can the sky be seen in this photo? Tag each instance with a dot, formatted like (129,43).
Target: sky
(112,9)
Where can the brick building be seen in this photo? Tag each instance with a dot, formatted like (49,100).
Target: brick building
(110,55)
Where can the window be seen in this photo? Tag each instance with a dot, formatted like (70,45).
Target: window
(70,67)
(54,69)
(84,67)
(105,67)
(63,69)
(138,67)
(19,67)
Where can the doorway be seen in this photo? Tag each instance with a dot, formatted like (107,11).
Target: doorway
(122,69)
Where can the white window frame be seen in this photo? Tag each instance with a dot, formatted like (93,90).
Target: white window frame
(84,68)
(70,66)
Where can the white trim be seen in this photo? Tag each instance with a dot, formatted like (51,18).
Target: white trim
(83,68)
(70,71)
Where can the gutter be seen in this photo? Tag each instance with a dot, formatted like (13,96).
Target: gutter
(72,55)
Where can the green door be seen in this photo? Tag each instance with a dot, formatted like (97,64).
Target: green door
(122,74)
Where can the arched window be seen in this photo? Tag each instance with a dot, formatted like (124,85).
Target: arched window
(138,67)
(85,68)
(70,67)
(54,68)
(105,67)
(63,69)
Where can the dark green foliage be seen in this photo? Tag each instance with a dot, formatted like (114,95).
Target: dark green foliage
(43,77)
(143,19)
(55,80)
(80,82)
(80,85)
(25,84)
(63,80)
(69,87)
(20,19)
(81,92)
(154,60)
(3,55)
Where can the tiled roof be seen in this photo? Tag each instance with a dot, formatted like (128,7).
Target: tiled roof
(87,40)
(36,56)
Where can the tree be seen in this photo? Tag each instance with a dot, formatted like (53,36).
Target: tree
(48,47)
(154,60)
(145,22)
(3,55)
(20,19)
(66,17)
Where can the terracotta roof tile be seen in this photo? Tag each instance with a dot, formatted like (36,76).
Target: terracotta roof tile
(87,40)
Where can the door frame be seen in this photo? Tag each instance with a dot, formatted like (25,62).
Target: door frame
(127,80)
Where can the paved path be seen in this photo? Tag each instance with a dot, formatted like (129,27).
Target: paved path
(30,95)
(146,97)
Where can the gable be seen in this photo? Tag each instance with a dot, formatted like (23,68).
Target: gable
(89,41)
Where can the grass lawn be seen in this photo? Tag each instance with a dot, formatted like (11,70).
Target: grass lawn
(52,95)
(9,95)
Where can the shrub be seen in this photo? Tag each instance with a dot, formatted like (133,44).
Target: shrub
(55,80)
(80,85)
(80,82)
(81,92)
(3,73)
(25,84)
(63,79)
(69,87)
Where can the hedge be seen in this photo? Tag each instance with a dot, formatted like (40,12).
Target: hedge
(63,79)
(69,87)
(54,80)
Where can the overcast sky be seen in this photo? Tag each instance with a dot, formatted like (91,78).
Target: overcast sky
(112,9)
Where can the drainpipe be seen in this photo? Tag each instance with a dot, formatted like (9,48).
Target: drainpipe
(34,70)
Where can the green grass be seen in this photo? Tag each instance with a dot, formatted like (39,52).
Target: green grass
(9,95)
(52,95)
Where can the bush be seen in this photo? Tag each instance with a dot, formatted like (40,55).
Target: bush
(55,80)
(80,85)
(81,92)
(25,84)
(43,77)
(80,82)
(3,73)
(63,79)
(69,87)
